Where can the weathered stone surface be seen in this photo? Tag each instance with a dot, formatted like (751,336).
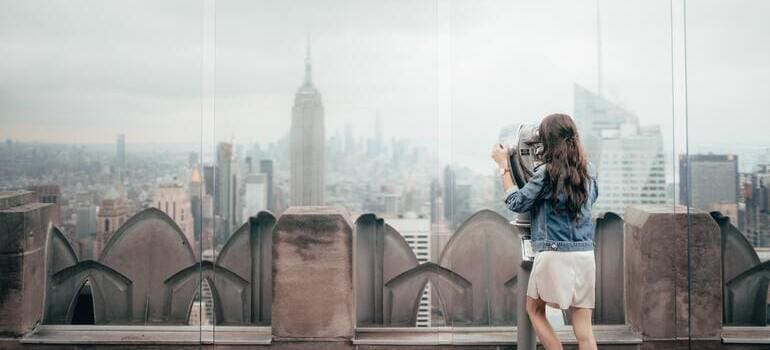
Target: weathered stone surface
(609,270)
(485,250)
(111,293)
(23,232)
(148,249)
(248,253)
(313,274)
(744,279)
(746,297)
(656,285)
(402,294)
(229,292)
(381,255)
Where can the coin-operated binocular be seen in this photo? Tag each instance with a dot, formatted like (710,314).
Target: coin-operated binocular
(524,151)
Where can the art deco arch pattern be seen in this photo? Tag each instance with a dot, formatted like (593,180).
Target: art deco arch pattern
(148,274)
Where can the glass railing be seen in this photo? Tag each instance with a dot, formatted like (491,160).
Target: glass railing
(220,172)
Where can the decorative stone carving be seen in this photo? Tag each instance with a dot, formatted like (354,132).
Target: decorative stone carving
(381,255)
(745,280)
(248,253)
(401,296)
(609,270)
(148,249)
(230,293)
(484,250)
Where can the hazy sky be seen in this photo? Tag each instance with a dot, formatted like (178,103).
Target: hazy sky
(448,73)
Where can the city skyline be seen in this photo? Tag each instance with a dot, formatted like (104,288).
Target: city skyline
(432,79)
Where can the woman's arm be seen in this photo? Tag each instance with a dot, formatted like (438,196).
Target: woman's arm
(517,200)
(523,199)
(500,156)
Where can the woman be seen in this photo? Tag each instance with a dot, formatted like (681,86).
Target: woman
(559,196)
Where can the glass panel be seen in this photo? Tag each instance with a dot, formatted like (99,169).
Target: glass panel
(336,104)
(608,65)
(725,172)
(101,118)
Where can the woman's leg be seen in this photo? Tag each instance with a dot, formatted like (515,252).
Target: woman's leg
(543,329)
(581,325)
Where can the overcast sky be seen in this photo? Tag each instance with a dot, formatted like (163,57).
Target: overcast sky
(448,73)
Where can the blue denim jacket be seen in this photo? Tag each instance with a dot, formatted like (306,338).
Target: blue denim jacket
(553,229)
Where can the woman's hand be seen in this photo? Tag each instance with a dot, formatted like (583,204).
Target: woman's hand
(500,155)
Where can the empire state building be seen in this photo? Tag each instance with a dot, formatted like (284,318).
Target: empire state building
(307,171)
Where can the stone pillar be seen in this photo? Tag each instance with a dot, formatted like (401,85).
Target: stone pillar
(313,276)
(656,288)
(24,225)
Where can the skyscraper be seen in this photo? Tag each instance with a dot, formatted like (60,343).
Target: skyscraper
(710,182)
(755,211)
(457,197)
(631,169)
(86,217)
(224,190)
(195,192)
(255,194)
(628,157)
(120,151)
(593,114)
(307,170)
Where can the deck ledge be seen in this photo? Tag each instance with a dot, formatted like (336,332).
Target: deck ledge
(604,334)
(135,335)
(745,335)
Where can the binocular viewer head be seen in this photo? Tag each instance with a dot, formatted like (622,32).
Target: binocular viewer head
(524,150)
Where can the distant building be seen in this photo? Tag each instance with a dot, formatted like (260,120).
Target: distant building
(307,169)
(456,199)
(202,309)
(49,194)
(631,170)
(629,158)
(172,199)
(120,151)
(207,223)
(208,179)
(350,141)
(416,232)
(710,182)
(754,211)
(593,114)
(390,203)
(113,213)
(86,217)
(440,233)
(255,196)
(193,160)
(195,192)
(225,191)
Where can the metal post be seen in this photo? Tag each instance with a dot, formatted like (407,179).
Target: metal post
(525,337)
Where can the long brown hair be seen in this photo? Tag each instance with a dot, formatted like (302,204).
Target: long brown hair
(566,163)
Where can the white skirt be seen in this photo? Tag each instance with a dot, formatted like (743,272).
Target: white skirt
(563,278)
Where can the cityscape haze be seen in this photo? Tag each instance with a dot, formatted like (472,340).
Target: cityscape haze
(212,117)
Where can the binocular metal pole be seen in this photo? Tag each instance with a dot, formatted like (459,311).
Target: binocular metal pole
(525,335)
